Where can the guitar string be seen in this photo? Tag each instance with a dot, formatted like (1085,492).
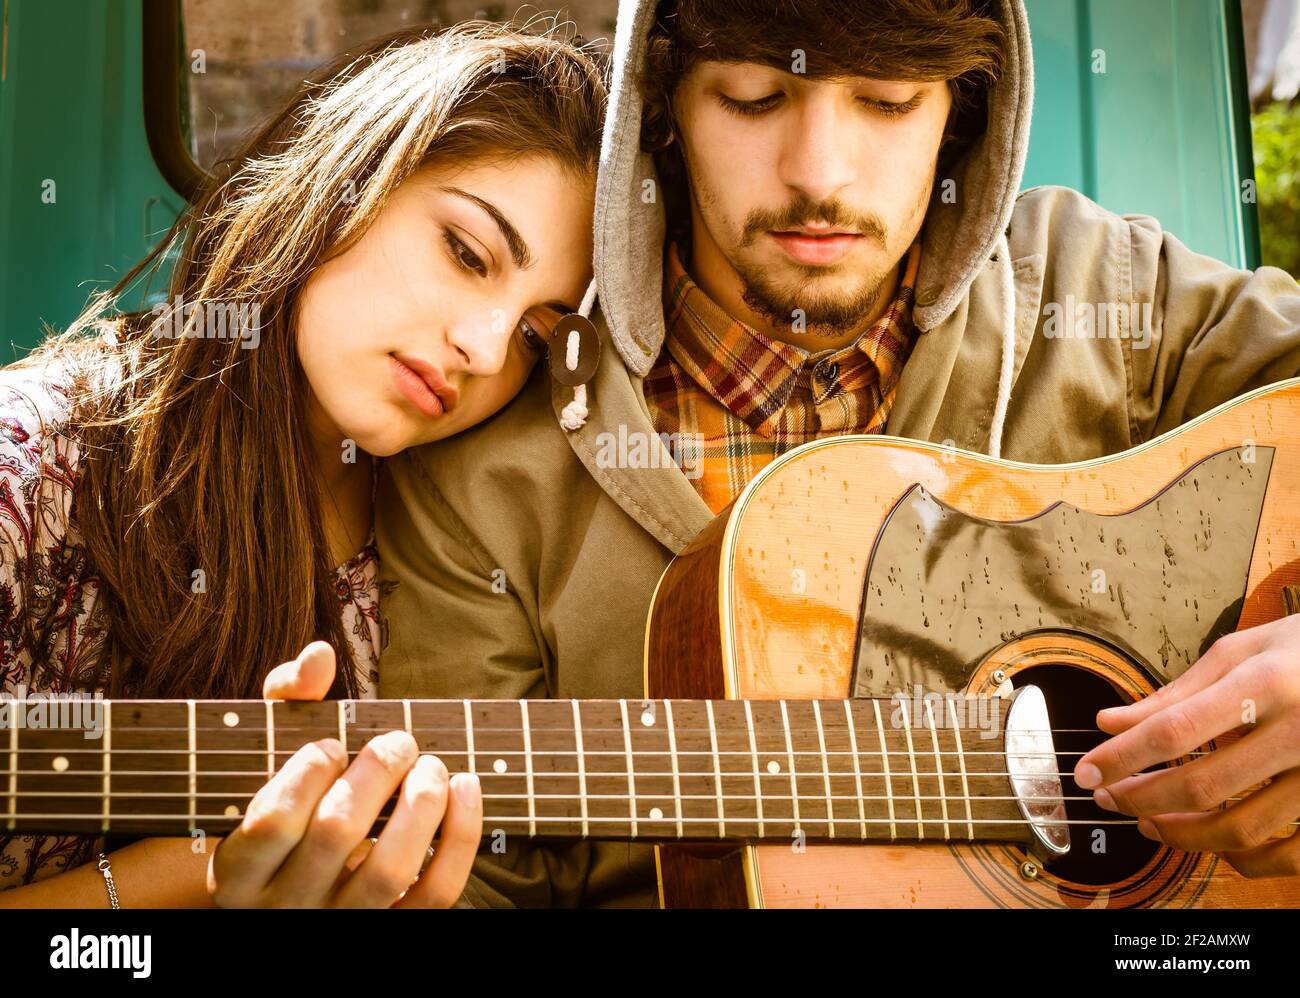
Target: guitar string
(835,798)
(666,819)
(918,753)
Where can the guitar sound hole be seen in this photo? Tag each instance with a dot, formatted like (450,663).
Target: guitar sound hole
(1099,853)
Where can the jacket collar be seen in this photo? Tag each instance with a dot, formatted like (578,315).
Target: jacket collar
(658,496)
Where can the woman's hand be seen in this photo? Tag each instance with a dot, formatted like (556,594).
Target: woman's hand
(303,841)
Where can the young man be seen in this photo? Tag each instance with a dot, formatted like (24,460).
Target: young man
(525,559)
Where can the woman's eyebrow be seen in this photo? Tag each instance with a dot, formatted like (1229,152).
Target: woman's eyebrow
(518,248)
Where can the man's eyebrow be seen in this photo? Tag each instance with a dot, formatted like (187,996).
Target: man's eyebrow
(518,248)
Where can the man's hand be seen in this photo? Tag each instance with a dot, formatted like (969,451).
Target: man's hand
(303,841)
(1249,680)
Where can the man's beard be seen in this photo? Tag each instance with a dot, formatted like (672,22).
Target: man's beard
(823,315)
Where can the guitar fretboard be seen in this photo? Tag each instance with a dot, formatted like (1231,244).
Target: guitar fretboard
(758,770)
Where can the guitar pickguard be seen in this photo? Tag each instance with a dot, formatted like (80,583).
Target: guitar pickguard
(1160,582)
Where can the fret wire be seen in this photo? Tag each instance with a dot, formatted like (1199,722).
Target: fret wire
(916,783)
(826,770)
(469,736)
(108,762)
(961,762)
(270,740)
(889,780)
(528,768)
(717,768)
(343,726)
(938,766)
(406,721)
(753,748)
(672,749)
(857,768)
(631,768)
(194,766)
(794,782)
(582,766)
(13,774)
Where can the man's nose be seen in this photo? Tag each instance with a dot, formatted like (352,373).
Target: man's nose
(817,156)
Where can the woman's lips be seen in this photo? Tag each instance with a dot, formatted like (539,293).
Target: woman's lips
(416,391)
(816,249)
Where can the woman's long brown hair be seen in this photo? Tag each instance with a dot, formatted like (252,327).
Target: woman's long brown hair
(194,453)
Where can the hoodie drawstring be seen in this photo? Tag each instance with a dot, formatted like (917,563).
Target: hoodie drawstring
(1007,301)
(574,415)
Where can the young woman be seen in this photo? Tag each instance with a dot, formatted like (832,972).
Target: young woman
(185,493)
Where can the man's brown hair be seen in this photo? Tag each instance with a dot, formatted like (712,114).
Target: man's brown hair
(910,40)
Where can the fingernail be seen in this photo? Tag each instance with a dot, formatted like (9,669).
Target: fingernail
(431,769)
(358,855)
(1087,775)
(396,747)
(1148,828)
(467,788)
(333,748)
(1104,800)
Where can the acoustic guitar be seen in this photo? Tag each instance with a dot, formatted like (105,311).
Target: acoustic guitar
(868,681)
(874,567)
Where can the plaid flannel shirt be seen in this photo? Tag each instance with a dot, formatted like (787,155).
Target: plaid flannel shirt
(731,399)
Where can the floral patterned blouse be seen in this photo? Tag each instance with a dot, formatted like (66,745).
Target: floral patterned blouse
(38,479)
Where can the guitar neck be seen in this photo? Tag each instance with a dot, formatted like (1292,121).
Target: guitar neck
(655,770)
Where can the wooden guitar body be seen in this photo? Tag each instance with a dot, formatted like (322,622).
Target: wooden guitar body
(876,566)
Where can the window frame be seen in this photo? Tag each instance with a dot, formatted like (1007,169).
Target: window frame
(162,54)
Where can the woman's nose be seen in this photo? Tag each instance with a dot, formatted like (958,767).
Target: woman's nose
(482,345)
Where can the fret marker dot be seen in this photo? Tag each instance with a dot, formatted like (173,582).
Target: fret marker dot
(499,766)
(656,814)
(230,719)
(774,767)
(60,763)
(232,811)
(648,718)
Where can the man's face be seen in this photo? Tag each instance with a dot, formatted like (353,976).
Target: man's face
(769,153)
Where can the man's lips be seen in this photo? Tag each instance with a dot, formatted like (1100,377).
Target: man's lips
(812,246)
(423,385)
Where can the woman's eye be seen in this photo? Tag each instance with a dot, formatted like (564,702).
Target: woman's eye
(750,107)
(463,255)
(532,339)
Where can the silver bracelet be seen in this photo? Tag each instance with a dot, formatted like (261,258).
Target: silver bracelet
(106,868)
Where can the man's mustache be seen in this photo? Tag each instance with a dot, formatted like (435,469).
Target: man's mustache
(802,214)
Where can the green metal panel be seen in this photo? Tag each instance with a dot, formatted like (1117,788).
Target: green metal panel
(1164,130)
(71,113)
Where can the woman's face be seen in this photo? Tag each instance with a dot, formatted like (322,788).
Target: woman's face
(420,329)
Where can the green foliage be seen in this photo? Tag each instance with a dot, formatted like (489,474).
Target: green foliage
(1276,138)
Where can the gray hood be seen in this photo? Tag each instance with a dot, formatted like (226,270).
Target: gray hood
(958,238)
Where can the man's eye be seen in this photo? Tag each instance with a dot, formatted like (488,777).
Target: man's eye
(889,109)
(750,107)
(463,255)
